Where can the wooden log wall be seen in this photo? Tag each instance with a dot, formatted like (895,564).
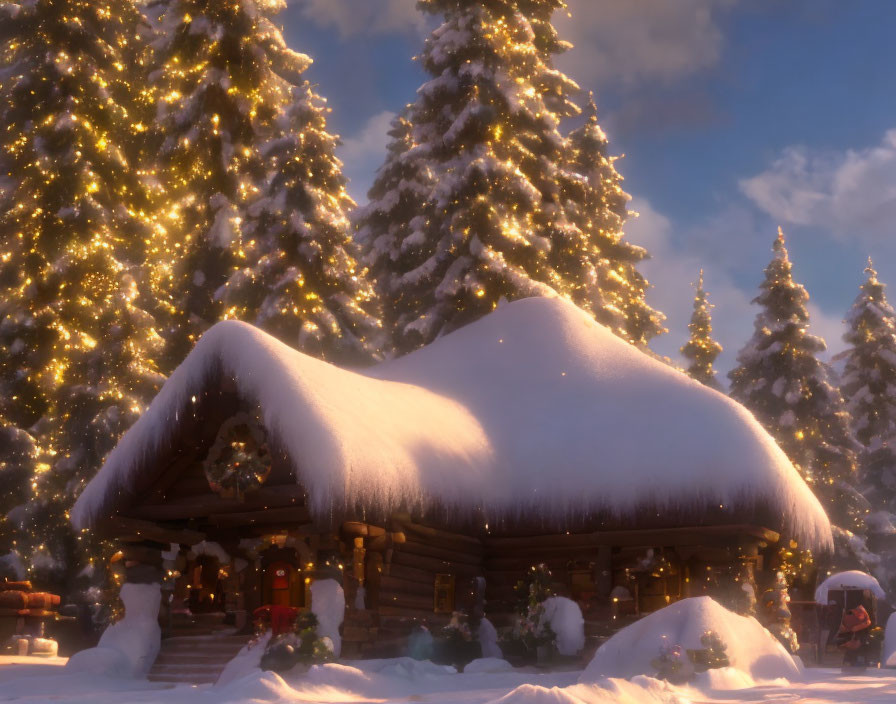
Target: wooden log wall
(407,585)
(508,560)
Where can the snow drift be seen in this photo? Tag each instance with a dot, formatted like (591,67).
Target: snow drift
(534,408)
(751,648)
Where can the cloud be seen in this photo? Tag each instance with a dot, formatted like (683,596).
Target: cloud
(353,17)
(671,271)
(677,257)
(631,41)
(851,194)
(828,327)
(363,152)
(623,41)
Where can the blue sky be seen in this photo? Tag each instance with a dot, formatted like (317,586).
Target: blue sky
(734,116)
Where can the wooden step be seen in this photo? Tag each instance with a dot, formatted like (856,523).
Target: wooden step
(196,659)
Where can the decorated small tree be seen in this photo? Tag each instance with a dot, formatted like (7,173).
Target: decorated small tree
(529,633)
(672,664)
(713,654)
(701,349)
(775,612)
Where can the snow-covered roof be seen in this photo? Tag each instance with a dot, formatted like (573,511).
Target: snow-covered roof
(535,409)
(851,579)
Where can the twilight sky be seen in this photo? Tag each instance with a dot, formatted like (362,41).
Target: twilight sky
(734,116)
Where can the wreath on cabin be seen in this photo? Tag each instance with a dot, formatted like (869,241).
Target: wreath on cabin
(239,460)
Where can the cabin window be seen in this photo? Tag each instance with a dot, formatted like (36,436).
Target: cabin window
(444,594)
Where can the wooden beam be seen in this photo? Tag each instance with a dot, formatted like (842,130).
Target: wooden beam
(690,535)
(289,515)
(418,547)
(132,530)
(180,508)
(437,535)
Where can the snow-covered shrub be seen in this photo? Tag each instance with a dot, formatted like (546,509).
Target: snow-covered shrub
(455,644)
(563,618)
(671,664)
(305,645)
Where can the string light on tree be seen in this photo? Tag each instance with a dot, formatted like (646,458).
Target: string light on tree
(701,349)
(76,349)
(256,217)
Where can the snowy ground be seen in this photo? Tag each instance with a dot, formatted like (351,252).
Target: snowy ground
(32,680)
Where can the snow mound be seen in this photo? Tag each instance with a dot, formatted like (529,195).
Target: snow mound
(751,648)
(247,661)
(565,619)
(405,668)
(471,421)
(851,579)
(640,690)
(328,604)
(489,665)
(888,654)
(257,687)
(129,647)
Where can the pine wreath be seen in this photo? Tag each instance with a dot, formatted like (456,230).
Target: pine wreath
(239,460)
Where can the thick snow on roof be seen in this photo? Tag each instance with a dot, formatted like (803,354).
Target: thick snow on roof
(851,579)
(535,407)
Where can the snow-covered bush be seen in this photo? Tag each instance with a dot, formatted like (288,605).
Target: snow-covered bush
(749,647)
(563,618)
(456,644)
(305,645)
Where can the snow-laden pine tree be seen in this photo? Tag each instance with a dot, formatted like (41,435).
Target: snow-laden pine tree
(701,350)
(781,380)
(868,385)
(486,125)
(256,218)
(598,266)
(390,230)
(482,199)
(17,462)
(299,277)
(76,350)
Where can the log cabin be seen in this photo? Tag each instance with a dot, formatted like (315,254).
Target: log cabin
(434,482)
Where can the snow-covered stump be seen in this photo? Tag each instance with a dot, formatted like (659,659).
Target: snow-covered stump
(129,647)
